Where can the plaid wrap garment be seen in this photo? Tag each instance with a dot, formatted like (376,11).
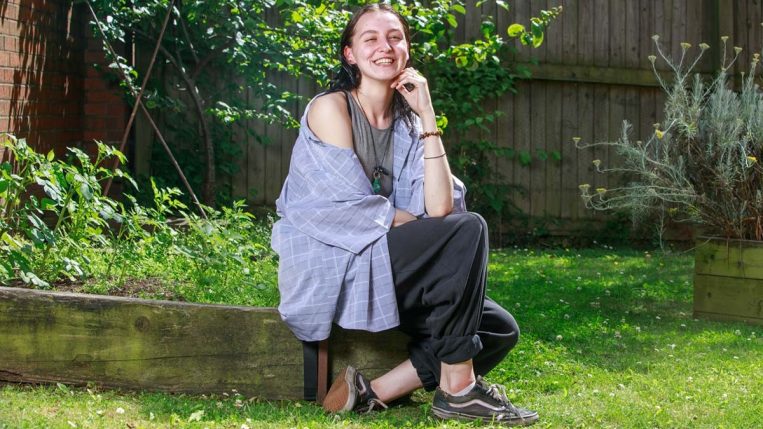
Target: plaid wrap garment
(331,236)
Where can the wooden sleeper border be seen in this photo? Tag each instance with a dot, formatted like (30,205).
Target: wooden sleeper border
(167,346)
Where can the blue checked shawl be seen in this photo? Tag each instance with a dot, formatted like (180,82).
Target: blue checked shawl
(331,236)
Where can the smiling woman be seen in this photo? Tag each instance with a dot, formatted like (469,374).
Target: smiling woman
(374,235)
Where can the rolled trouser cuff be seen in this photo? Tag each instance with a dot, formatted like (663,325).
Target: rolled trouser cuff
(426,365)
(452,350)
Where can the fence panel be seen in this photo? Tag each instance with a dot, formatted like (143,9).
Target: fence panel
(591,74)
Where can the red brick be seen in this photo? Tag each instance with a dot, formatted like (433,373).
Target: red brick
(92,135)
(96,123)
(11,12)
(94,84)
(95,109)
(94,56)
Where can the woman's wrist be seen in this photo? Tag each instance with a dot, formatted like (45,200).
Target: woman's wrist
(428,121)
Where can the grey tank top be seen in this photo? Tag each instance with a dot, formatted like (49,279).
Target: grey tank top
(363,138)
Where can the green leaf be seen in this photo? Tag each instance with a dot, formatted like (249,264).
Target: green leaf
(515,30)
(47,203)
(452,20)
(525,158)
(51,155)
(538,40)
(459,8)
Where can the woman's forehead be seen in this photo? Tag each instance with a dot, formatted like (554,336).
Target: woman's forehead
(379,21)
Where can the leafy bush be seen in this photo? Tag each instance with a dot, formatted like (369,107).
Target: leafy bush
(36,188)
(57,226)
(701,163)
(217,50)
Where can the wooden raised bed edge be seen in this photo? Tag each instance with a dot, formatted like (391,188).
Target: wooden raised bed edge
(728,280)
(169,346)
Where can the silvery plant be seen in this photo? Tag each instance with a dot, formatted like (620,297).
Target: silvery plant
(701,163)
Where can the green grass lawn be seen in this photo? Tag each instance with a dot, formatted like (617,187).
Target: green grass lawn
(608,340)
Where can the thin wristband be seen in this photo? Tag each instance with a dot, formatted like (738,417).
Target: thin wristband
(435,157)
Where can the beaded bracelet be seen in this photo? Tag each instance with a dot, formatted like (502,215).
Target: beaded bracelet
(437,133)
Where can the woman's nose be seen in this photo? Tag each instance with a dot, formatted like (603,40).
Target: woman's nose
(385,45)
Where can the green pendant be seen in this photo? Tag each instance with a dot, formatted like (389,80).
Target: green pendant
(376,185)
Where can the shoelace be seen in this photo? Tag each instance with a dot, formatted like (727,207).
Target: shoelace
(372,404)
(498,392)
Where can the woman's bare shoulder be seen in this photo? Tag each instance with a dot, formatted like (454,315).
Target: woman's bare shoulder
(329,119)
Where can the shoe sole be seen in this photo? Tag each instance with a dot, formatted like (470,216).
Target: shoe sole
(341,396)
(451,415)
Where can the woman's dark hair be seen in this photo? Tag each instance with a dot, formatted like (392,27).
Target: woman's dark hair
(348,77)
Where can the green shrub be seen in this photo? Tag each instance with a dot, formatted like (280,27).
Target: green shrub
(57,226)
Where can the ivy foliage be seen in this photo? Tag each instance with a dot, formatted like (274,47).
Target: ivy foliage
(218,51)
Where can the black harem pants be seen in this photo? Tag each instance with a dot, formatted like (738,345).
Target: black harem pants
(440,267)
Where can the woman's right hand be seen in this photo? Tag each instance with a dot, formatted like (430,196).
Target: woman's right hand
(402,217)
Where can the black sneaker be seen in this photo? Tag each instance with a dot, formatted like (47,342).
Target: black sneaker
(484,402)
(351,391)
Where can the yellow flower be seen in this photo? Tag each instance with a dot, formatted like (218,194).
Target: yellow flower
(685,45)
(737,49)
(704,46)
(576,140)
(752,159)
(596,162)
(652,59)
(656,37)
(659,134)
(601,191)
(724,39)
(584,187)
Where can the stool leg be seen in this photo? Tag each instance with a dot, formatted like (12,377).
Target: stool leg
(310,367)
(323,370)
(316,362)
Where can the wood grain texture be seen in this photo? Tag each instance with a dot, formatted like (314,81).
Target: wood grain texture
(728,298)
(733,258)
(728,280)
(167,346)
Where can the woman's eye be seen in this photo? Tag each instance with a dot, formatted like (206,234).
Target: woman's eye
(373,39)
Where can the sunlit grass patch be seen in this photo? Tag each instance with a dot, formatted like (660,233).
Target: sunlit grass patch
(608,340)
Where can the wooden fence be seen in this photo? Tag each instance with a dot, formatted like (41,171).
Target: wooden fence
(591,73)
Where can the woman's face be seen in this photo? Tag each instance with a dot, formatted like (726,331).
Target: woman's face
(379,48)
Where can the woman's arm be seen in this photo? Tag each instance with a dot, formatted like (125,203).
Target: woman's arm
(438,181)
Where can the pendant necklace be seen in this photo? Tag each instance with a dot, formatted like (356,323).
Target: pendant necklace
(379,169)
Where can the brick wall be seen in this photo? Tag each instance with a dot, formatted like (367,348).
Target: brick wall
(49,91)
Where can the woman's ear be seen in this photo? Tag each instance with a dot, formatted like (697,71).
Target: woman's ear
(348,55)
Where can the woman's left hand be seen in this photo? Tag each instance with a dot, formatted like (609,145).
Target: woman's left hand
(418,97)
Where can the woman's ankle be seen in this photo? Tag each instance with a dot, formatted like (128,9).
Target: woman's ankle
(456,377)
